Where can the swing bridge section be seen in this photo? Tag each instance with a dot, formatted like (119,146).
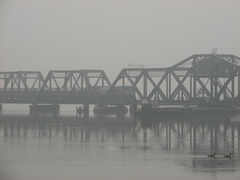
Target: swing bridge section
(211,79)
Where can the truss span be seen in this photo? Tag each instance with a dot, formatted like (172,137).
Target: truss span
(201,78)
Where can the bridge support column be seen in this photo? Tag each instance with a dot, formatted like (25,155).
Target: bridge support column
(132,109)
(0,107)
(86,109)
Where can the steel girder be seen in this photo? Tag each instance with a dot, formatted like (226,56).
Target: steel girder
(212,77)
(20,86)
(202,77)
(156,85)
(73,86)
(142,84)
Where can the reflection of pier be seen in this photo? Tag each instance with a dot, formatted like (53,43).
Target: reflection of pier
(66,127)
(196,136)
(200,135)
(188,136)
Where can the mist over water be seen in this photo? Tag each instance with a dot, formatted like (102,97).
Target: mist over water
(49,147)
(79,34)
(37,35)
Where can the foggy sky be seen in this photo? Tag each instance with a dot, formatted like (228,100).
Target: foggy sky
(70,35)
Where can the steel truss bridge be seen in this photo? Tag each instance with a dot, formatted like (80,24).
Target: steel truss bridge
(201,78)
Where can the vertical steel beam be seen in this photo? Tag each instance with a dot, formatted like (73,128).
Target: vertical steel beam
(81,83)
(194,78)
(211,87)
(102,81)
(144,85)
(215,87)
(167,85)
(123,85)
(238,82)
(50,83)
(71,78)
(233,88)
(191,89)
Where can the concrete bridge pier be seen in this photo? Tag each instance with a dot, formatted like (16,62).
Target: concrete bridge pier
(0,107)
(79,111)
(86,109)
(132,109)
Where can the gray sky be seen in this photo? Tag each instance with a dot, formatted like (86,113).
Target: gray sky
(69,35)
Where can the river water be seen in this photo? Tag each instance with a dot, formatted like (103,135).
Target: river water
(100,147)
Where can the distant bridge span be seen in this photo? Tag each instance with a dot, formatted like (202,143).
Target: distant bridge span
(201,78)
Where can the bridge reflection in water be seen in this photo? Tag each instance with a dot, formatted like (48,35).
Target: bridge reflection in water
(191,137)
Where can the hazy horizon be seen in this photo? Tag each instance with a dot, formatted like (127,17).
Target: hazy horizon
(69,35)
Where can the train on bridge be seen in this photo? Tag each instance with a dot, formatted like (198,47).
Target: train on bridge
(200,79)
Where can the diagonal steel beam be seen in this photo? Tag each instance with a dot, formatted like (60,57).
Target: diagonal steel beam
(76,80)
(120,75)
(25,85)
(54,79)
(88,84)
(157,86)
(180,84)
(226,83)
(106,78)
(183,61)
(6,80)
(135,83)
(67,78)
(203,86)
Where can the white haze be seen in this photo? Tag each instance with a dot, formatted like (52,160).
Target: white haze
(69,35)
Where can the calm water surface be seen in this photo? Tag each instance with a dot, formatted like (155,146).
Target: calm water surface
(66,147)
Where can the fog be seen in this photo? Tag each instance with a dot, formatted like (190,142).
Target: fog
(68,35)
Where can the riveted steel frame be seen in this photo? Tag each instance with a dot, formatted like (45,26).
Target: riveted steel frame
(146,84)
(213,86)
(183,83)
(72,87)
(20,86)
(211,78)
